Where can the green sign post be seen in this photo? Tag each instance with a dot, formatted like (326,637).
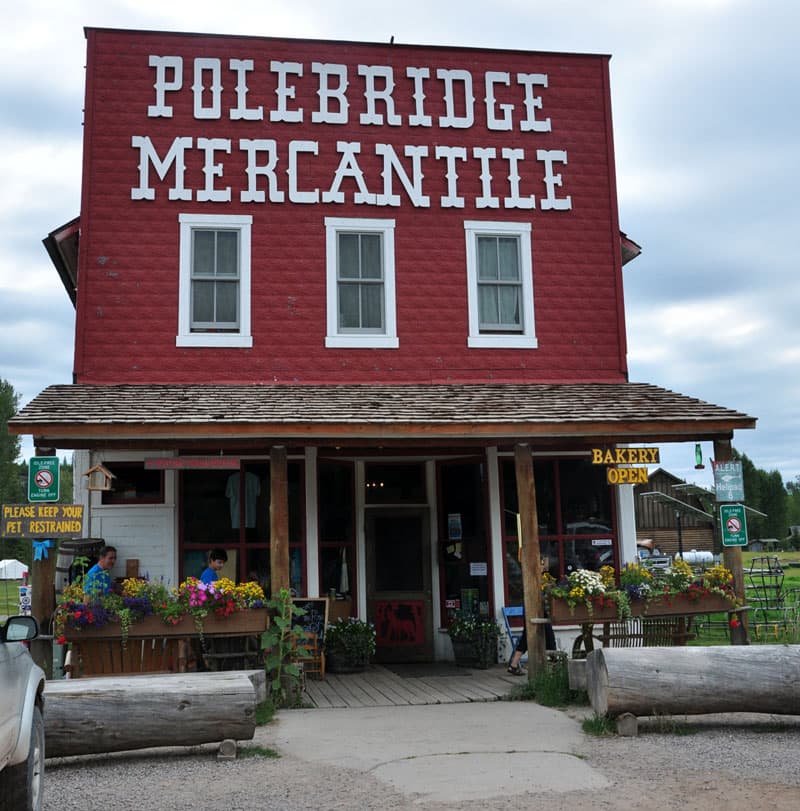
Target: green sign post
(734,525)
(43,479)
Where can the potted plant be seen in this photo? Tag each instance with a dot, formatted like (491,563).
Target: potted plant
(474,639)
(349,644)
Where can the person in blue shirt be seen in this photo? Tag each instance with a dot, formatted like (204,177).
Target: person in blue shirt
(98,579)
(217,558)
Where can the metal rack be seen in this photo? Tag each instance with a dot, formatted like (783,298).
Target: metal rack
(765,593)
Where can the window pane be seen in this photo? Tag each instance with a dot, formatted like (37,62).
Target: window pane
(395,484)
(203,263)
(202,301)
(399,553)
(585,498)
(348,256)
(509,304)
(509,258)
(227,253)
(487,300)
(227,295)
(348,306)
(544,478)
(487,257)
(372,306)
(371,265)
(336,499)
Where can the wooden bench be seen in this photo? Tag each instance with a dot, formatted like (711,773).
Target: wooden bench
(105,657)
(636,632)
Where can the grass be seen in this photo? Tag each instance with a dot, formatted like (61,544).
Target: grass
(265,712)
(599,725)
(550,688)
(9,597)
(667,725)
(258,751)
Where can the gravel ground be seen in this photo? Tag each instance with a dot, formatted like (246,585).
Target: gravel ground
(740,761)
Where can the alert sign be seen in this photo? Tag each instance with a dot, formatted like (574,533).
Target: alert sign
(43,478)
(734,525)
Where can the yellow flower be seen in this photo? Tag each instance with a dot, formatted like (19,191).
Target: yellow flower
(134,587)
(607,573)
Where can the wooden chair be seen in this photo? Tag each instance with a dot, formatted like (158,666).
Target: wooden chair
(309,655)
(514,629)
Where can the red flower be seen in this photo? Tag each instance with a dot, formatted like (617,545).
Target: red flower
(735,622)
(62,640)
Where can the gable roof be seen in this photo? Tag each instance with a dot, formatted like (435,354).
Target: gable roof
(81,415)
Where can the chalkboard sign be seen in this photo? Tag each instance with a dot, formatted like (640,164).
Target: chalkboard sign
(316,617)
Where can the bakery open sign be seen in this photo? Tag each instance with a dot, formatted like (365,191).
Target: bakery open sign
(629,457)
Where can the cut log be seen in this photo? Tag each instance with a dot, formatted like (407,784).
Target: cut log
(696,680)
(118,713)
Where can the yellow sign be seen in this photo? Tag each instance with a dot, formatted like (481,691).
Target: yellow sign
(41,521)
(626,475)
(625,456)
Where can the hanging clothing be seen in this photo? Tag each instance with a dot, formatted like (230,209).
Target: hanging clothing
(252,489)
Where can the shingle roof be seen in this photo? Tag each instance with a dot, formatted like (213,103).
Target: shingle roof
(629,410)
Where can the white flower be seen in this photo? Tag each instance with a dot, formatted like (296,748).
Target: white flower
(590,582)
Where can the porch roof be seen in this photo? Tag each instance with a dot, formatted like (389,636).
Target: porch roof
(84,416)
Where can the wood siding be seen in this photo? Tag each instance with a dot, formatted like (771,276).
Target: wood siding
(128,287)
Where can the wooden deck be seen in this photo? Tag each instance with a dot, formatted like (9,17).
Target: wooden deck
(397,685)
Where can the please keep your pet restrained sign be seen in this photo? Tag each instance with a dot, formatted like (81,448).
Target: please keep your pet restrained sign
(41,521)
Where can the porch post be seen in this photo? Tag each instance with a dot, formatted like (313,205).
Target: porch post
(42,573)
(278,520)
(732,555)
(530,558)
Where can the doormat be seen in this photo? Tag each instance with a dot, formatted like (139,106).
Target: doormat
(427,670)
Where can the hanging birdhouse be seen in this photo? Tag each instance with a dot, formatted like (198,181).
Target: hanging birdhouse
(99,478)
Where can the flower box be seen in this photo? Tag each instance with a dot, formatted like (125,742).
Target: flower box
(563,614)
(680,605)
(239,623)
(684,605)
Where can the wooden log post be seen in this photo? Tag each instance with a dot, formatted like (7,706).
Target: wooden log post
(530,558)
(694,681)
(278,520)
(732,555)
(120,713)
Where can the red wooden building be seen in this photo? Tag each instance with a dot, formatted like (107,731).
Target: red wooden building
(323,290)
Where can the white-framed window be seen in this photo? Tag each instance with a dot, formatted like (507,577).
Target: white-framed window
(214,296)
(500,285)
(360,283)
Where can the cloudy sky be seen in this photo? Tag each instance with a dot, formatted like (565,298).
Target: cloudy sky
(705,100)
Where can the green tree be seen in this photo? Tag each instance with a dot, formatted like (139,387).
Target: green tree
(13,474)
(793,506)
(764,491)
(65,486)
(11,488)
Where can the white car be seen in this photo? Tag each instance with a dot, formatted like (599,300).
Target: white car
(21,719)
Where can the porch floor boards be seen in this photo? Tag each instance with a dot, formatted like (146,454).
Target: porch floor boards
(380,687)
